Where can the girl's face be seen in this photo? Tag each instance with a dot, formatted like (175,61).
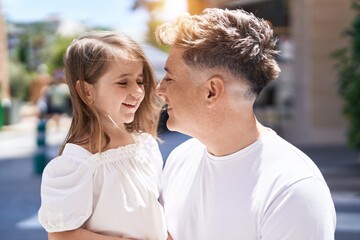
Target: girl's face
(118,93)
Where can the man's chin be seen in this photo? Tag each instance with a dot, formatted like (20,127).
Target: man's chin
(172,126)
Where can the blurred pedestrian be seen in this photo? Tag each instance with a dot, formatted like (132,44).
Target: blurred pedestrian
(42,79)
(236,179)
(38,87)
(55,102)
(105,181)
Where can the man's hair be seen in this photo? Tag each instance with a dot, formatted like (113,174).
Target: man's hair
(87,59)
(232,40)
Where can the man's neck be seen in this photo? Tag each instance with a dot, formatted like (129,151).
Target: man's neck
(230,136)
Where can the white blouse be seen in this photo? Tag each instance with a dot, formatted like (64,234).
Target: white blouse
(113,193)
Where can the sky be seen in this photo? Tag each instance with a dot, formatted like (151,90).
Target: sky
(116,14)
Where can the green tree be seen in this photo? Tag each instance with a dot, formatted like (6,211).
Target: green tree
(54,52)
(154,8)
(348,67)
(20,79)
(34,39)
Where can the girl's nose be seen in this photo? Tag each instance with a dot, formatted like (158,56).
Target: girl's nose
(160,89)
(137,90)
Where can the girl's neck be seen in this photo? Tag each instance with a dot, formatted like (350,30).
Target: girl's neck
(119,138)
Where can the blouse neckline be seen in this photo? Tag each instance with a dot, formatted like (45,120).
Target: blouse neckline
(79,151)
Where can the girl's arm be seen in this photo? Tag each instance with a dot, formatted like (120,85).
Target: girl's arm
(80,234)
(169,237)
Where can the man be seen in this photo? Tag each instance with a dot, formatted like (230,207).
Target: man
(236,179)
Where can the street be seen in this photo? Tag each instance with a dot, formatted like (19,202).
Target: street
(20,185)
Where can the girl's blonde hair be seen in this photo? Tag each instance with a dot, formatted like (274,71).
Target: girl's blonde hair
(87,58)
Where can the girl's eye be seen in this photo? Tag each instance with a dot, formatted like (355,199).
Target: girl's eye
(122,83)
(140,82)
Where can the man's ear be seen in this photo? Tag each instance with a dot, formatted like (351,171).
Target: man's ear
(215,89)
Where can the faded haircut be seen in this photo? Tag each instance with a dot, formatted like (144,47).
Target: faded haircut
(233,40)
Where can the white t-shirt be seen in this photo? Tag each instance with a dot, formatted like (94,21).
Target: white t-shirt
(113,193)
(270,190)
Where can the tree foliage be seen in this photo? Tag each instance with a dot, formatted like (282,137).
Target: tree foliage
(54,53)
(38,44)
(20,79)
(348,67)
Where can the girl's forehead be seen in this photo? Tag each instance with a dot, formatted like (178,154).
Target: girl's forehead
(125,54)
(125,66)
(127,59)
(123,62)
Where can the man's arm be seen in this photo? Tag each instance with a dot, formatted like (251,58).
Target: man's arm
(304,210)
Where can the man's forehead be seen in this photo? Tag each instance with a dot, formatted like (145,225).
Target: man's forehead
(175,54)
(174,60)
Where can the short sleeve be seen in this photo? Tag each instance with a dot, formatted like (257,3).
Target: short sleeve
(305,210)
(66,194)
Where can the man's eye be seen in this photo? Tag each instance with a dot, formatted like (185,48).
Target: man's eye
(167,79)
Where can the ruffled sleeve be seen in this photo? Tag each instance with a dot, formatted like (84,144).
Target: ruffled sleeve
(66,194)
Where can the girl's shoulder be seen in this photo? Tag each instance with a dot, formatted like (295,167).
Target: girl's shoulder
(141,135)
(67,172)
(71,160)
(144,137)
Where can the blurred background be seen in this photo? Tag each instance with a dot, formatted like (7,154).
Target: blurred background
(315,103)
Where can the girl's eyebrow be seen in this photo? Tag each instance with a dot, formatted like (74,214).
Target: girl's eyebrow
(122,75)
(126,75)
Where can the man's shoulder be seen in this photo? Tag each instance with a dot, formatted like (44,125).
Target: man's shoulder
(188,146)
(186,152)
(183,160)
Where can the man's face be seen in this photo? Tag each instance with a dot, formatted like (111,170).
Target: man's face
(183,91)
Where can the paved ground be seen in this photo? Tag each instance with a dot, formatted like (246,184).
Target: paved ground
(19,185)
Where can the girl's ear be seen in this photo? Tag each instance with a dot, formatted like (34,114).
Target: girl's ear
(85,93)
(215,89)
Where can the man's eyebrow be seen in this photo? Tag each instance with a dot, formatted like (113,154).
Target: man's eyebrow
(167,69)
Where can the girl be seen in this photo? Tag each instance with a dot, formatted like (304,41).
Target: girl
(105,180)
